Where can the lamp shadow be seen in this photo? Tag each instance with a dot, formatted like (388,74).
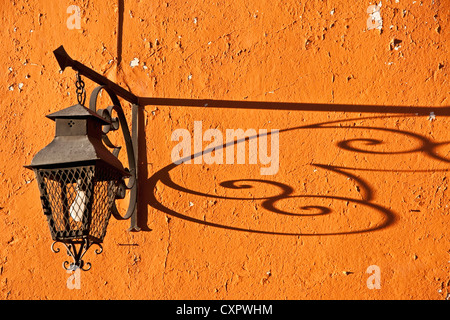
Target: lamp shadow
(293,106)
(120,10)
(148,183)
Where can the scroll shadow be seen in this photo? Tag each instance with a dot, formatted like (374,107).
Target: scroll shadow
(268,203)
(148,187)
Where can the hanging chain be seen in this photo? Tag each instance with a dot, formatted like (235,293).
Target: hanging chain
(81,93)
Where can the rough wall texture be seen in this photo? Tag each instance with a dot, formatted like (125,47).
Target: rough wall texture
(361,182)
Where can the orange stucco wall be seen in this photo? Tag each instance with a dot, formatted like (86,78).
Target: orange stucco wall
(361,182)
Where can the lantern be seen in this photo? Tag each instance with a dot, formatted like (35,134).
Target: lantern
(78,179)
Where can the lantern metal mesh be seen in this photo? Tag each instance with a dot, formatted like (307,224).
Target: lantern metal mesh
(78,200)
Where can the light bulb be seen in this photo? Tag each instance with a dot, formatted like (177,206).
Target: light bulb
(78,205)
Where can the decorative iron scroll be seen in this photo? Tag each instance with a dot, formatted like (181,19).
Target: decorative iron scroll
(130,144)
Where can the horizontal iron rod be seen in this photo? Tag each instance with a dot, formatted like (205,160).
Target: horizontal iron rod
(65,60)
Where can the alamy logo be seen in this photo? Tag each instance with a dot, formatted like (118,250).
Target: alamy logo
(74,280)
(74,20)
(374,21)
(219,152)
(374,281)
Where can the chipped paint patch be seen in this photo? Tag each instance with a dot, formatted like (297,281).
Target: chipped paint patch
(432,116)
(134,62)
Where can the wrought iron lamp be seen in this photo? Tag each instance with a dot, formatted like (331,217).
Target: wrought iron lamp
(79,179)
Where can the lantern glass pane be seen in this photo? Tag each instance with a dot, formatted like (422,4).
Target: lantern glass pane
(78,201)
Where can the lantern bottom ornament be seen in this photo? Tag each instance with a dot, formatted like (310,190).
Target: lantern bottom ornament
(77,253)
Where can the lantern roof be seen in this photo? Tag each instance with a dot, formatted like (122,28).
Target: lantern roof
(76,111)
(66,151)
